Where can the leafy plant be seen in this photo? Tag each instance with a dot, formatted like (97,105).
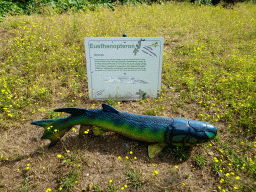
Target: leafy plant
(134,177)
(200,160)
(180,153)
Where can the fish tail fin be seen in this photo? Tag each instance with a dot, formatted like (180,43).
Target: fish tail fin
(54,129)
(46,123)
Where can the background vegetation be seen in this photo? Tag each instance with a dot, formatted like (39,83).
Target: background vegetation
(17,7)
(208,72)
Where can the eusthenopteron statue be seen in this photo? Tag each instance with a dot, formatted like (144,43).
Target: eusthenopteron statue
(160,131)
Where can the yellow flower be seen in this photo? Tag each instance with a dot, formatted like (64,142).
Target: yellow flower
(130,152)
(176,166)
(68,151)
(156,172)
(219,187)
(227,174)
(183,183)
(59,155)
(119,157)
(222,180)
(237,177)
(135,157)
(127,157)
(110,181)
(122,188)
(235,187)
(125,186)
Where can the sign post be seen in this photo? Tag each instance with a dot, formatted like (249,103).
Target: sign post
(126,68)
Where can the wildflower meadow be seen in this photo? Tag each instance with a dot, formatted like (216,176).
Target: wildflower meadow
(208,74)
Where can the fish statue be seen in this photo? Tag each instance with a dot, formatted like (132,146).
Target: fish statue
(160,131)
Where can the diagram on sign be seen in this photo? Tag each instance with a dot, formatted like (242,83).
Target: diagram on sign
(147,49)
(124,80)
(100,92)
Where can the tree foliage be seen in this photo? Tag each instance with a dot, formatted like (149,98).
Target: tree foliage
(17,7)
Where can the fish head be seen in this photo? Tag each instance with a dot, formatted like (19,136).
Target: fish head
(186,132)
(201,132)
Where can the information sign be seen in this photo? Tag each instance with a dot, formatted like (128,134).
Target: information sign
(126,68)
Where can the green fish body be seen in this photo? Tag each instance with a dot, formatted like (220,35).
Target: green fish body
(160,131)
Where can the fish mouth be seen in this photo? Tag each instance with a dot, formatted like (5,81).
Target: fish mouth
(211,131)
(210,135)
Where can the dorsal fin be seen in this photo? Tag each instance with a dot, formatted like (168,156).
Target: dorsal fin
(108,108)
(71,110)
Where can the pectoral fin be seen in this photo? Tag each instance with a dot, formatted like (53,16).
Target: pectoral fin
(98,131)
(155,149)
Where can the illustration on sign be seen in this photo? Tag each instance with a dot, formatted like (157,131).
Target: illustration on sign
(124,79)
(100,92)
(147,49)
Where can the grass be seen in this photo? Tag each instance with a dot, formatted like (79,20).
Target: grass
(208,75)
(134,178)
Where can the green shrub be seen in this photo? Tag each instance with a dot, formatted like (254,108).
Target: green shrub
(9,7)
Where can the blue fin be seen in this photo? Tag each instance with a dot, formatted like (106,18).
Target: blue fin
(71,110)
(108,108)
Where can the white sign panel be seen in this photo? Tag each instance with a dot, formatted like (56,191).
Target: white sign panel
(127,67)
